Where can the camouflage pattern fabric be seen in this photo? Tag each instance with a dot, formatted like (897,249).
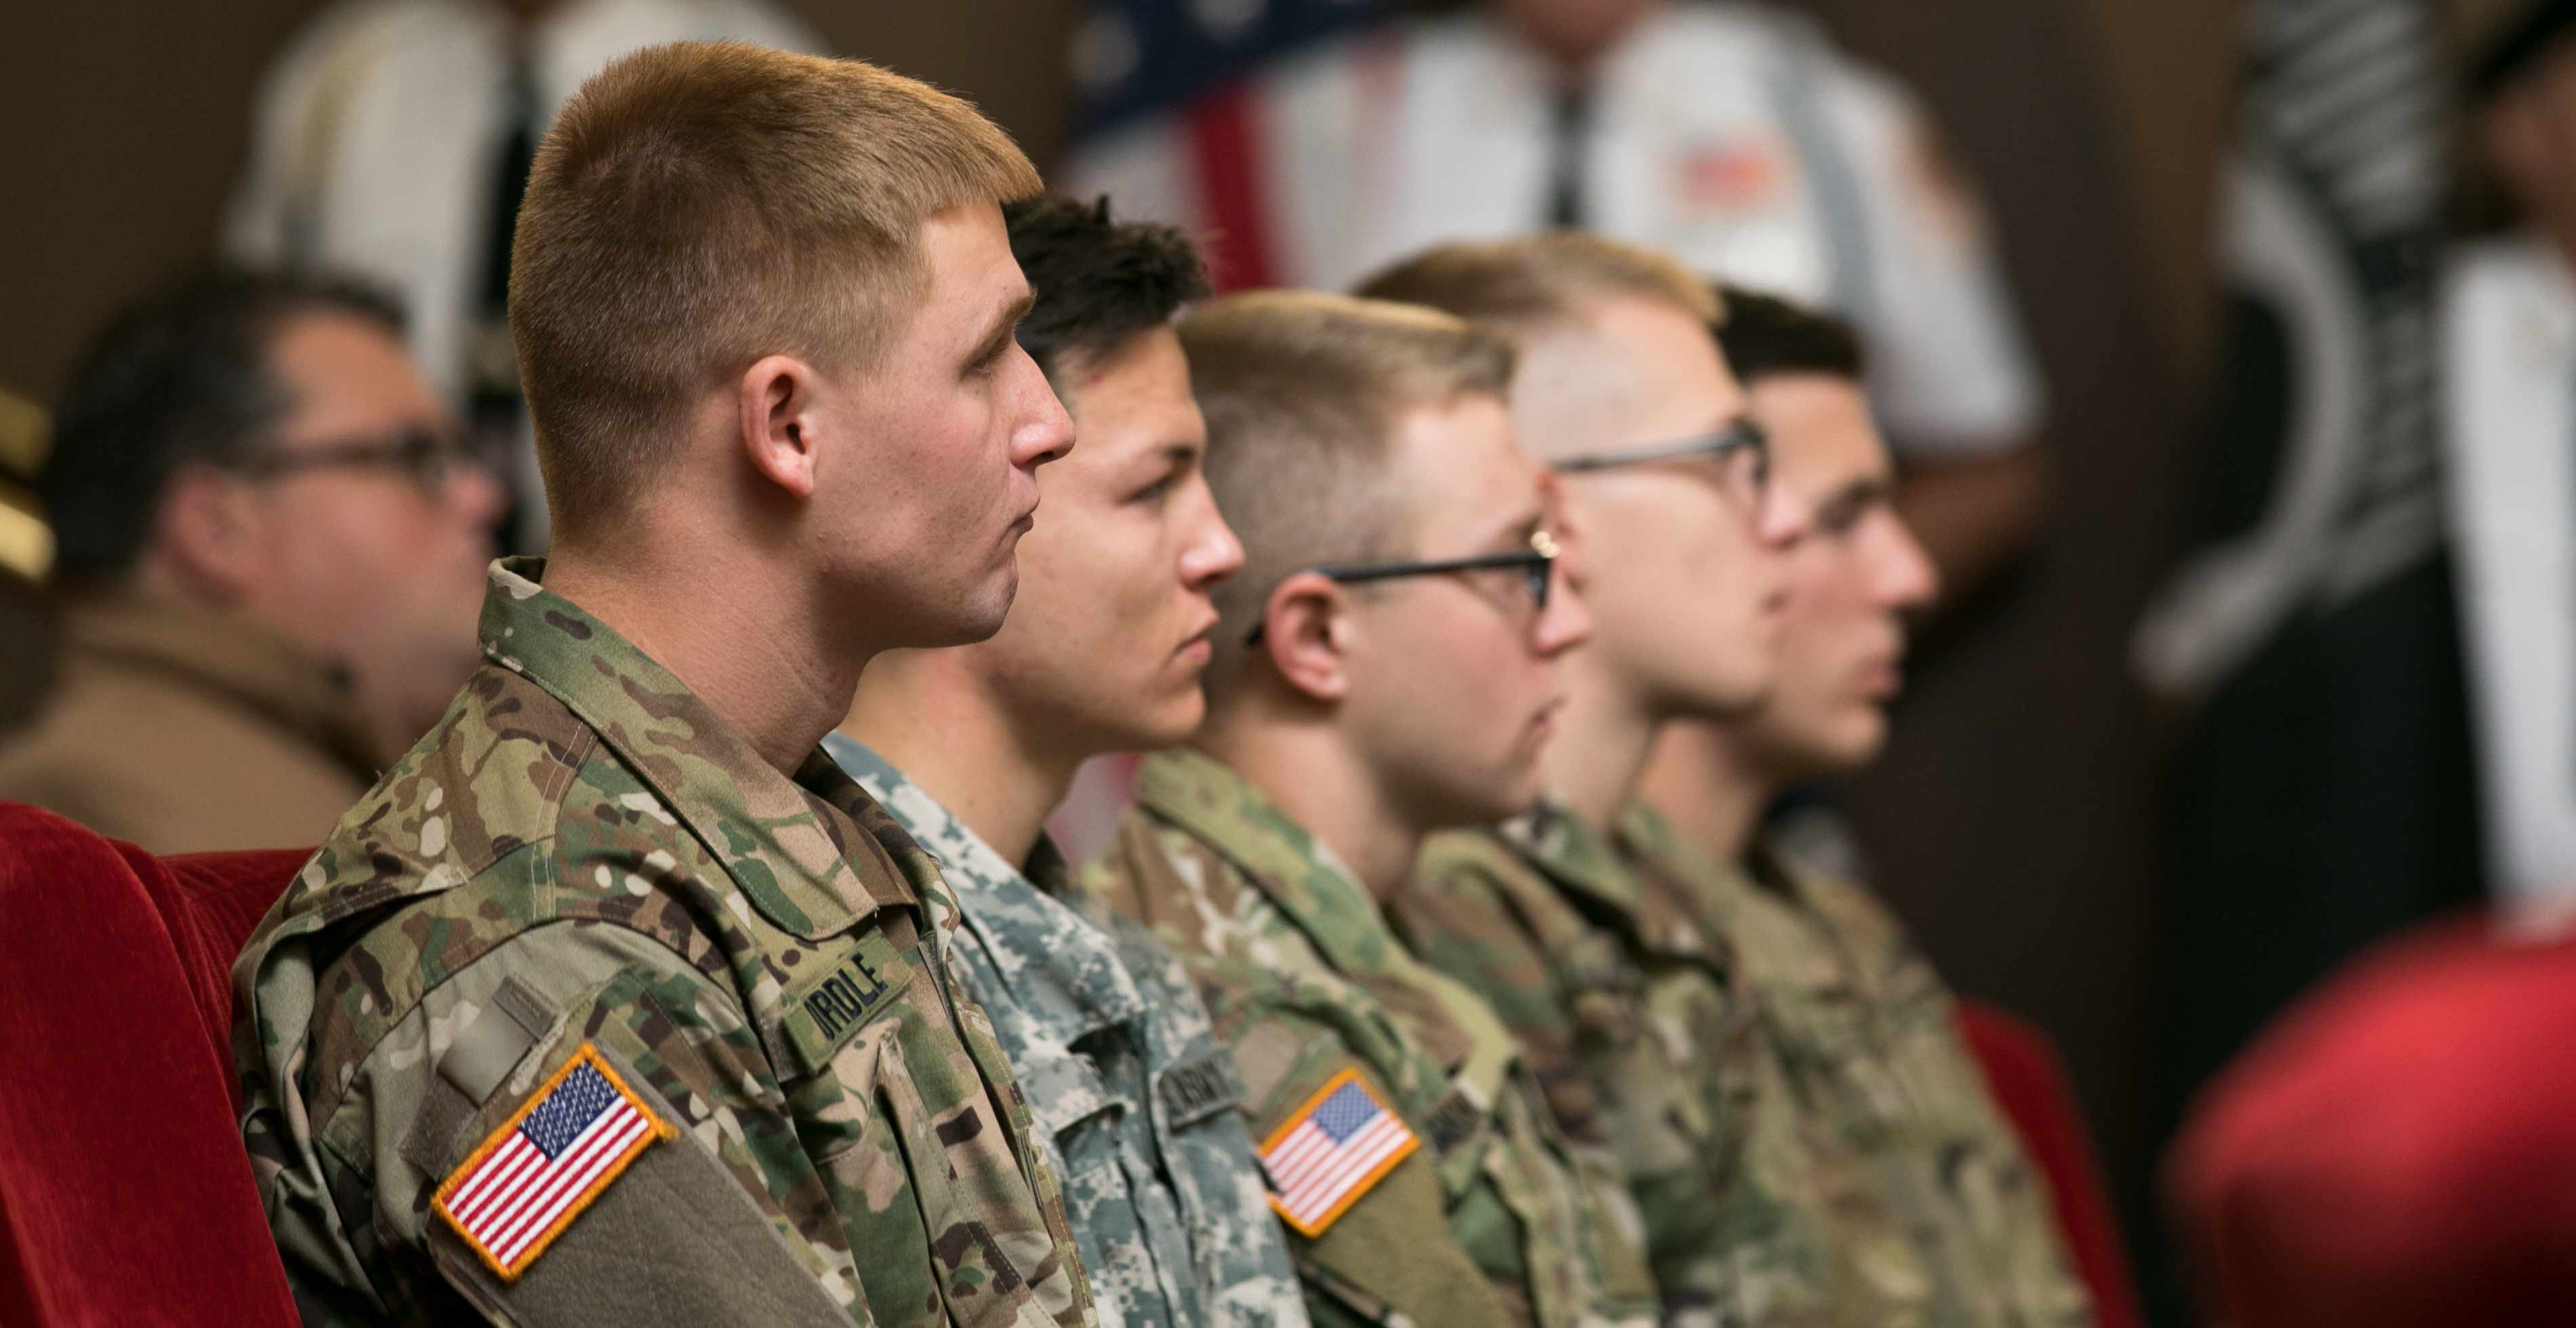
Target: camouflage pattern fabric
(1880,1184)
(581,853)
(1306,981)
(1135,1099)
(1620,1003)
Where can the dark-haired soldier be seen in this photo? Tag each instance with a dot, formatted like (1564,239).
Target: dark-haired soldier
(1133,1096)
(271,547)
(1893,1178)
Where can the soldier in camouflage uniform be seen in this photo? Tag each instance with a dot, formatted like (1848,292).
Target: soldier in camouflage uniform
(615,1002)
(1616,989)
(1388,522)
(1134,1097)
(1619,1000)
(1887,1185)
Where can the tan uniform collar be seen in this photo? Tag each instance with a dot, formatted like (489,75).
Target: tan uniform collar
(243,661)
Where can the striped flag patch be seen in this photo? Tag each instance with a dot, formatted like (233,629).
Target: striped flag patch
(526,1183)
(1331,1151)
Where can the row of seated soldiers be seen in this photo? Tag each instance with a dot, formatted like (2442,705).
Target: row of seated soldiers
(708,961)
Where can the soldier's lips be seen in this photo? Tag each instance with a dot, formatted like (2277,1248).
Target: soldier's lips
(1882,679)
(1195,649)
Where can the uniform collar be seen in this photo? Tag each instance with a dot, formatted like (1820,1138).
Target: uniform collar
(1296,872)
(794,864)
(1553,839)
(241,659)
(1058,971)
(1707,886)
(1580,859)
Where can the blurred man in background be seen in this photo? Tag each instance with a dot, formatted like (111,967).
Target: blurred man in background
(2509,437)
(1731,135)
(1618,995)
(1135,1100)
(1904,1193)
(392,140)
(271,549)
(27,621)
(1386,666)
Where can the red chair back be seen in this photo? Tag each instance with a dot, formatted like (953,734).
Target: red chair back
(2397,1149)
(125,1196)
(2030,1084)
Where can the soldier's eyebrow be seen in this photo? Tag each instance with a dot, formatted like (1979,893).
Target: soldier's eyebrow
(1856,497)
(1005,323)
(1515,532)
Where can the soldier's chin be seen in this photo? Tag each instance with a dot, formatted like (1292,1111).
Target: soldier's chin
(963,620)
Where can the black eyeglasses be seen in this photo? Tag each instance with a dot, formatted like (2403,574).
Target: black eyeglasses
(1537,564)
(427,457)
(1743,435)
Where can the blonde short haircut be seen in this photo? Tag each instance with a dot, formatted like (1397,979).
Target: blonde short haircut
(1520,284)
(700,205)
(1304,392)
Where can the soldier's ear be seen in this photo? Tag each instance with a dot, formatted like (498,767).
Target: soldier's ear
(775,423)
(1306,629)
(205,534)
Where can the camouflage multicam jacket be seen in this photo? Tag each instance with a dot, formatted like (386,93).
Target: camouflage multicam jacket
(1324,1007)
(1620,1003)
(1880,1184)
(583,898)
(1135,1099)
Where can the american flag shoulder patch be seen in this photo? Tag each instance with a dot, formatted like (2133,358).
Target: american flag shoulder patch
(1331,1151)
(523,1186)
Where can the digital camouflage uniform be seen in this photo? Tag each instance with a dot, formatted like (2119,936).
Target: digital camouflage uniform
(582,855)
(1881,1185)
(1620,1003)
(1307,982)
(1136,1100)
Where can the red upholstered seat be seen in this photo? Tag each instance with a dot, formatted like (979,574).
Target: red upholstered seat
(2030,1084)
(2400,1149)
(125,1197)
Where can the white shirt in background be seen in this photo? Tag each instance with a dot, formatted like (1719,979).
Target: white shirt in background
(1732,137)
(2509,346)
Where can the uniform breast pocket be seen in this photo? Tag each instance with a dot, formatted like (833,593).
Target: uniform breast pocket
(1079,1116)
(1834,1058)
(931,1169)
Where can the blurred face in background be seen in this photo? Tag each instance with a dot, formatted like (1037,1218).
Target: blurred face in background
(1669,555)
(1455,677)
(1104,647)
(2528,131)
(364,531)
(1854,574)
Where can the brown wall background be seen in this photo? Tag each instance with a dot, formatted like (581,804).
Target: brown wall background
(2012,820)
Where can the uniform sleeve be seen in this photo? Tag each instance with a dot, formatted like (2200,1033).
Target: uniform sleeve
(1389,1251)
(685,1198)
(1951,373)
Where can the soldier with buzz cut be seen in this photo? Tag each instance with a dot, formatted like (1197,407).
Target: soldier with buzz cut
(615,1002)
(1135,1100)
(1385,666)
